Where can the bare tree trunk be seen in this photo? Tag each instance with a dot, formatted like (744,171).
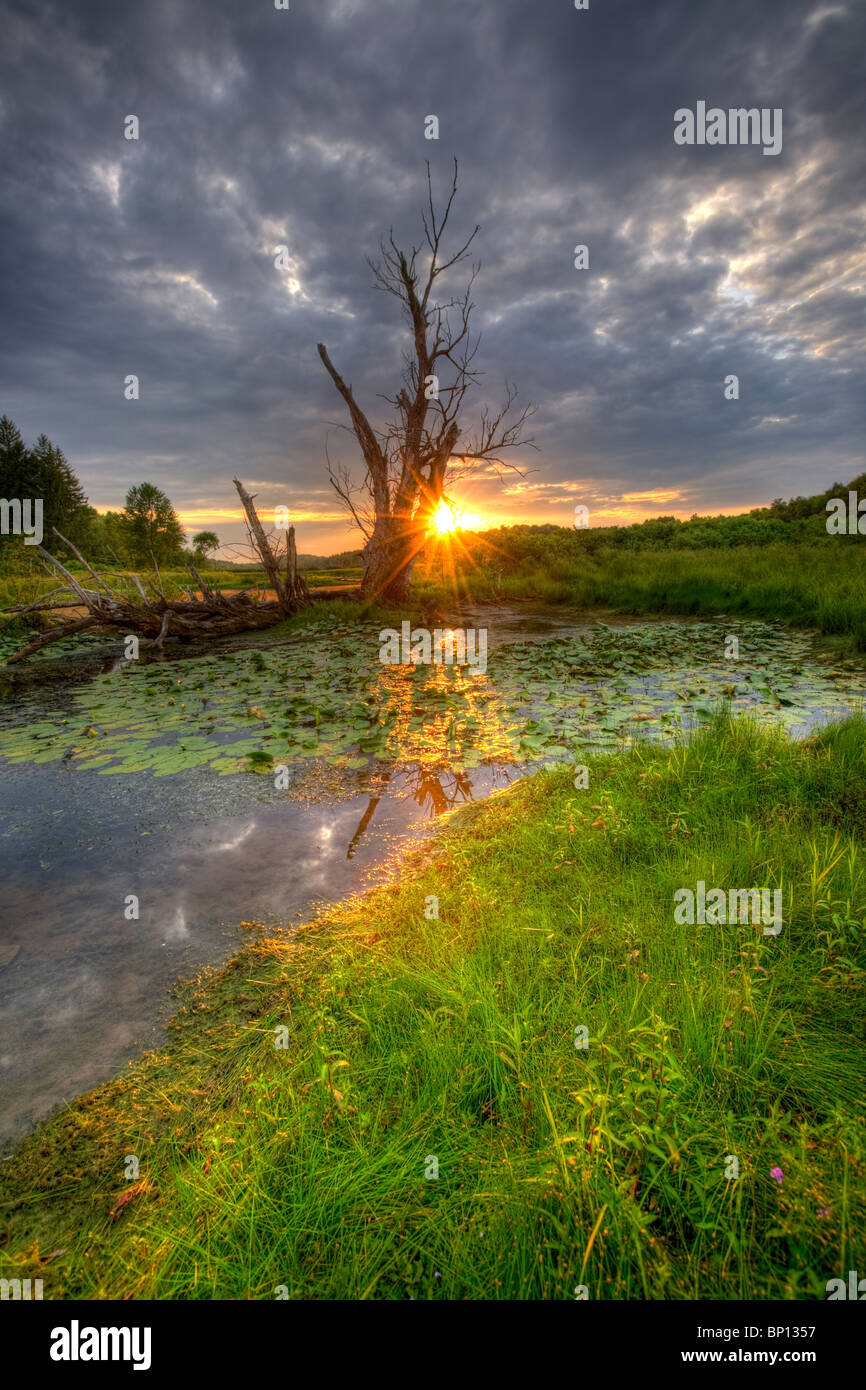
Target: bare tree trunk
(397,540)
(389,559)
(262,544)
(408,458)
(296,586)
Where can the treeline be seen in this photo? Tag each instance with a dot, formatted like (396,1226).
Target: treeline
(346,559)
(146,531)
(802,507)
(800,519)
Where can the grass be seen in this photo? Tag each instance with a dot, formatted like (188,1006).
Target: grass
(820,585)
(415,1041)
(27,587)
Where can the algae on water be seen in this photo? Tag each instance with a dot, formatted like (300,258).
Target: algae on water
(329,698)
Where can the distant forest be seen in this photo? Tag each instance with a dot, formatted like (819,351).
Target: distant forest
(800,519)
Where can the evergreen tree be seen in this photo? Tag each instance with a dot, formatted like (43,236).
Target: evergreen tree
(13,460)
(64,504)
(43,473)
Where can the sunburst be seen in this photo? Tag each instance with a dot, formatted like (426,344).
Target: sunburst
(443,520)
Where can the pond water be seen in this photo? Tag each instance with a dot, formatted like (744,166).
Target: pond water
(250,785)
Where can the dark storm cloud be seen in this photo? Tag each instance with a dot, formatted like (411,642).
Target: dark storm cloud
(305,128)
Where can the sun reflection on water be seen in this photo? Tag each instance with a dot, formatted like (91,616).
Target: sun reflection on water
(437,715)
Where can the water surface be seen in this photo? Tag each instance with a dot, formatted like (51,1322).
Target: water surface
(374,755)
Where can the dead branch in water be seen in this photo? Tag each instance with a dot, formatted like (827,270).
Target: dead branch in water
(55,634)
(213,614)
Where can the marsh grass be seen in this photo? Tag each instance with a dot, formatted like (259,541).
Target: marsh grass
(410,1038)
(816,584)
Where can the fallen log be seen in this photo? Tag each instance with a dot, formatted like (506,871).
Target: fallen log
(39,604)
(54,634)
(214,614)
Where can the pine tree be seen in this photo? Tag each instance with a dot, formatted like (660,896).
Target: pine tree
(63,498)
(13,460)
(43,473)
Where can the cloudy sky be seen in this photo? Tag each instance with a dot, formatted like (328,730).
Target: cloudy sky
(305,128)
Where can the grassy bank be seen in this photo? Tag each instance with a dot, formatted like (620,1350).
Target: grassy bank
(817,584)
(412,1038)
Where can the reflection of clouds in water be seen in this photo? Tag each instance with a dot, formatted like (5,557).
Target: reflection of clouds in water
(177,930)
(63,1029)
(233,844)
(85,989)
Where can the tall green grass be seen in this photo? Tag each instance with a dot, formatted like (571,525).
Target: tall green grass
(21,588)
(27,587)
(413,1038)
(818,585)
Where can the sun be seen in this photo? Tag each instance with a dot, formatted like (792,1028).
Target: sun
(444,520)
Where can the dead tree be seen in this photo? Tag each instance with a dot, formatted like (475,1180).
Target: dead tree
(408,461)
(291,590)
(211,614)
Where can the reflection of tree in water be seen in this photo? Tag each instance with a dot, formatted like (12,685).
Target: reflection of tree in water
(439,790)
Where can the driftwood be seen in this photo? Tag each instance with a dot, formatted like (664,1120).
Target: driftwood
(54,634)
(212,614)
